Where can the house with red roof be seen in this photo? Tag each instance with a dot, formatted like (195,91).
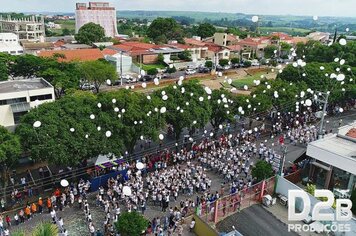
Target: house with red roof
(91,54)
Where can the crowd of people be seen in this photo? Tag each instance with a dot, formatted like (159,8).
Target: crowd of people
(175,181)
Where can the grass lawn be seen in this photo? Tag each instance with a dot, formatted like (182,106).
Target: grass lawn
(147,67)
(247,80)
(288,30)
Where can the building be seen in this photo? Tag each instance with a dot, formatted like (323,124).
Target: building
(319,36)
(34,47)
(91,54)
(99,13)
(208,50)
(9,43)
(17,97)
(223,39)
(333,164)
(29,28)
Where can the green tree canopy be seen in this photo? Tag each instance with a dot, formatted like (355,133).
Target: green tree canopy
(163,29)
(269,51)
(262,170)
(206,30)
(97,72)
(131,224)
(90,33)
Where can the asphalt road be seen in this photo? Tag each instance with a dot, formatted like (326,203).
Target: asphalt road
(254,221)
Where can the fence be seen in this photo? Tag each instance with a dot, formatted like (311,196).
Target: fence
(218,210)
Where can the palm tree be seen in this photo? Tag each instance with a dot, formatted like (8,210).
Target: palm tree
(45,229)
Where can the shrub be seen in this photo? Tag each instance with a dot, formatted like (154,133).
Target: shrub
(152,71)
(131,224)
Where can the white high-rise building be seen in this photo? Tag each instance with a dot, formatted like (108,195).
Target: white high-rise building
(99,13)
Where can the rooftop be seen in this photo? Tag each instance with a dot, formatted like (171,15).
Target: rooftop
(12,86)
(91,54)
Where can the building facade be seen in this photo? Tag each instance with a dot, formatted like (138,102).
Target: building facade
(99,13)
(9,43)
(333,163)
(30,28)
(17,97)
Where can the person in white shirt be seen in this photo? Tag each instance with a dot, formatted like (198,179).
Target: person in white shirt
(192,224)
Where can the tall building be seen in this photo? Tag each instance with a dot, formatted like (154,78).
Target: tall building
(29,28)
(99,13)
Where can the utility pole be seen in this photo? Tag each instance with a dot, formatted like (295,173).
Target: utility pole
(121,68)
(283,159)
(322,98)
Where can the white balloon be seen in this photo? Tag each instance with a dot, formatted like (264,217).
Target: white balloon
(246,87)
(229,81)
(347,29)
(342,42)
(92,116)
(108,82)
(113,100)
(86,136)
(156,81)
(341,109)
(342,61)
(144,85)
(164,97)
(207,90)
(72,130)
(98,128)
(254,19)
(201,99)
(163,110)
(322,67)
(308,102)
(123,110)
(161,136)
(99,105)
(163,92)
(116,109)
(340,77)
(336,59)
(220,126)
(315,17)
(37,124)
(148,97)
(140,165)
(108,133)
(126,190)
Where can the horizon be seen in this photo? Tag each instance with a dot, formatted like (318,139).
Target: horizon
(331,8)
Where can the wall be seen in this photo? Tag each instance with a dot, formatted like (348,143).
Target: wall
(203,229)
(149,59)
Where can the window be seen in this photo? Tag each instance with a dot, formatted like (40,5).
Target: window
(12,52)
(41,97)
(18,115)
(12,101)
(19,51)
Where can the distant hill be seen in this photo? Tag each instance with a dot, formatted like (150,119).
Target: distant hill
(236,19)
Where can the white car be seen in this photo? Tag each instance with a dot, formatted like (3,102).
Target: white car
(190,71)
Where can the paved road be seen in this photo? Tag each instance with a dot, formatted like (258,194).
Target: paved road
(255,221)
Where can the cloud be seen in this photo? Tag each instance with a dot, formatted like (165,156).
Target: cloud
(284,7)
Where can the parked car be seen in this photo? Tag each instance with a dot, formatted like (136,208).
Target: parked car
(190,71)
(87,86)
(116,82)
(219,68)
(147,78)
(226,67)
(255,63)
(204,70)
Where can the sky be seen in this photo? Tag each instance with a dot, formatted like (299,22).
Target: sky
(271,7)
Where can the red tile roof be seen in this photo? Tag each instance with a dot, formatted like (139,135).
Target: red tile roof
(180,46)
(351,133)
(234,48)
(214,47)
(78,54)
(194,42)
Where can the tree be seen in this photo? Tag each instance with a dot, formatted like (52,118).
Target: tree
(269,51)
(221,103)
(235,60)
(131,224)
(90,33)
(160,59)
(171,70)
(152,71)
(206,30)
(66,32)
(5,60)
(97,72)
(184,109)
(209,64)
(27,65)
(223,62)
(45,229)
(163,29)
(353,200)
(262,170)
(10,150)
(185,55)
(247,63)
